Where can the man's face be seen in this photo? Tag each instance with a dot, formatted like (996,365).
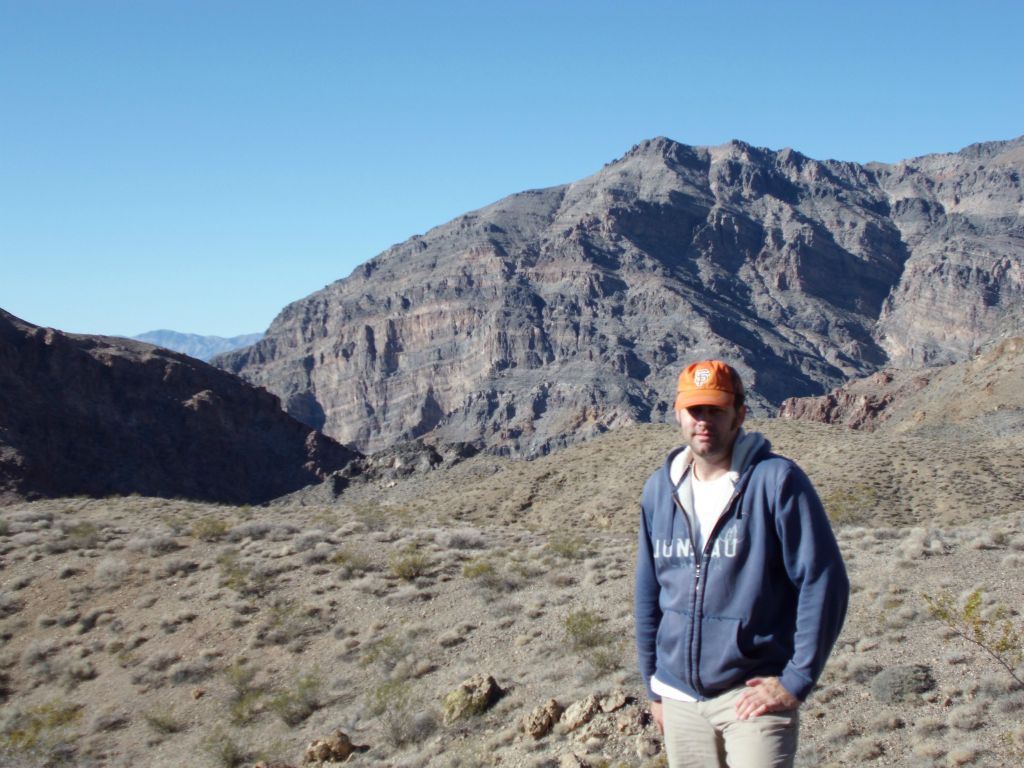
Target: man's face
(711,430)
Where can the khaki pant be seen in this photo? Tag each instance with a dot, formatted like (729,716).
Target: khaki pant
(706,734)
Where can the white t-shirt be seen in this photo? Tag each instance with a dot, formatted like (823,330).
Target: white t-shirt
(709,500)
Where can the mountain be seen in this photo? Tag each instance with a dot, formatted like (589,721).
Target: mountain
(200,347)
(98,415)
(558,313)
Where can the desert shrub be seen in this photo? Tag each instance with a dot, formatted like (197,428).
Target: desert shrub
(224,750)
(590,640)
(243,577)
(988,628)
(24,729)
(245,696)
(286,622)
(112,571)
(567,546)
(403,717)
(209,529)
(164,721)
(478,568)
(484,572)
(294,705)
(372,517)
(351,560)
(461,539)
(386,652)
(154,545)
(585,629)
(9,604)
(409,563)
(84,535)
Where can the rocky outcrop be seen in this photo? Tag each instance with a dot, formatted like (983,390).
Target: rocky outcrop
(94,415)
(861,404)
(982,393)
(555,314)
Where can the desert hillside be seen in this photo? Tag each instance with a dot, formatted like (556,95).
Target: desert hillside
(137,630)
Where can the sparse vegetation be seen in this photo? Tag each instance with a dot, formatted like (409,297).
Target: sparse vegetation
(988,628)
(164,721)
(183,644)
(409,563)
(404,718)
(293,705)
(209,529)
(567,546)
(351,561)
(585,630)
(245,696)
(850,505)
(243,577)
(25,729)
(225,751)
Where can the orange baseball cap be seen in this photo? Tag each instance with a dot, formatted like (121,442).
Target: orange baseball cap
(710,382)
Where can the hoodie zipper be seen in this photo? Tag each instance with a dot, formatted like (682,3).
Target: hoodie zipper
(698,586)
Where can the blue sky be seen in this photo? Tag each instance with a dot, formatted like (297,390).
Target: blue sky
(198,164)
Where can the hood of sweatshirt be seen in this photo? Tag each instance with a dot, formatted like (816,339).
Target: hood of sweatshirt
(746,447)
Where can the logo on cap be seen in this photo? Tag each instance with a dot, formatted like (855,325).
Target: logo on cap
(701,376)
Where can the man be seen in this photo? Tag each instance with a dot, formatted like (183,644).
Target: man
(740,587)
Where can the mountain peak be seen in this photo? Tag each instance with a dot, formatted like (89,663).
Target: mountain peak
(552,315)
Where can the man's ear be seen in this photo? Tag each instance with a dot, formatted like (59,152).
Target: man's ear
(741,416)
(679,417)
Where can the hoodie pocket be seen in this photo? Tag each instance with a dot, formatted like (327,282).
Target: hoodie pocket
(673,642)
(722,662)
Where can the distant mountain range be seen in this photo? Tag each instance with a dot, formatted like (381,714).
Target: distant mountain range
(558,313)
(200,347)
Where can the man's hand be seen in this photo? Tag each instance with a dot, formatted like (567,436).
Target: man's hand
(657,716)
(764,694)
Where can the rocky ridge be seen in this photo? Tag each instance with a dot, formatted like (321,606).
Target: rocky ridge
(982,393)
(556,314)
(99,415)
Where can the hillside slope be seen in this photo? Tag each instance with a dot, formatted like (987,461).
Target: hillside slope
(100,415)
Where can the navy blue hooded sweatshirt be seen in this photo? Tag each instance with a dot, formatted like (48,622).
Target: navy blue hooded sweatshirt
(767,596)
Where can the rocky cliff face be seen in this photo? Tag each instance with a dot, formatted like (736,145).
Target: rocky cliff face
(962,218)
(96,415)
(554,314)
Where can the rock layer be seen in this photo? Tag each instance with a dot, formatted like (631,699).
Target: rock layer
(95,415)
(558,313)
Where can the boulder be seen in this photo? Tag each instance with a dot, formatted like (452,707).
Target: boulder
(580,713)
(473,697)
(541,720)
(336,748)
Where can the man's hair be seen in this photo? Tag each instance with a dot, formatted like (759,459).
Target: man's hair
(740,392)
